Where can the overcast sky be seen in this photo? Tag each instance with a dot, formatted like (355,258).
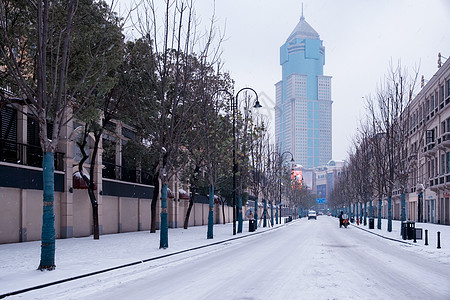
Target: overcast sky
(361,37)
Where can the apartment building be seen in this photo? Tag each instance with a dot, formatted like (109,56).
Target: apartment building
(428,149)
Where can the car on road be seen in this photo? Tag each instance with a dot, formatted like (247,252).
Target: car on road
(312,215)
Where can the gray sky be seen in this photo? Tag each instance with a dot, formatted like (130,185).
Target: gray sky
(361,38)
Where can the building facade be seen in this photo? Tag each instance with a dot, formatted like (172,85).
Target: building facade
(124,193)
(303,111)
(428,148)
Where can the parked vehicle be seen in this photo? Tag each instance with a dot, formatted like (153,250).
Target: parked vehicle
(312,215)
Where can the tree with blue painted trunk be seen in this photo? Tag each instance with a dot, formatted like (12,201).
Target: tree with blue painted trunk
(164,231)
(48,218)
(50,63)
(210,233)
(240,219)
(178,61)
(271,213)
(256,213)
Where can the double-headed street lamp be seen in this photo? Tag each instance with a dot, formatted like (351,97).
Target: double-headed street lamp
(234,107)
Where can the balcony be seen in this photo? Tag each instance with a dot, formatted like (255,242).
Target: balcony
(26,155)
(430,149)
(445,140)
(440,182)
(112,171)
(412,157)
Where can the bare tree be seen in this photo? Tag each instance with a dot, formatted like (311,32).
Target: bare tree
(174,38)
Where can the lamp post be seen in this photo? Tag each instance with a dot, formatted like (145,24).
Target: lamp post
(234,108)
(420,189)
(281,163)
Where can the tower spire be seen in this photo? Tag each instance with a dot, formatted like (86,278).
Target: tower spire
(302,17)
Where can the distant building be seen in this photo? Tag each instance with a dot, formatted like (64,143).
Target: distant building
(325,177)
(320,180)
(303,99)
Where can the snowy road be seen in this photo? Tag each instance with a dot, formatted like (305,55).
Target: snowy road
(303,260)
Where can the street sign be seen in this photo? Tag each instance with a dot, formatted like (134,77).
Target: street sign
(321,200)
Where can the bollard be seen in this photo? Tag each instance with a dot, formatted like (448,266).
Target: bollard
(426,237)
(439,240)
(415,240)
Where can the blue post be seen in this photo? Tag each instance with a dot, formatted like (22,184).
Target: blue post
(271,214)
(389,229)
(164,233)
(379,214)
(265,213)
(370,209)
(403,204)
(48,218)
(256,213)
(365,213)
(240,220)
(276,214)
(210,233)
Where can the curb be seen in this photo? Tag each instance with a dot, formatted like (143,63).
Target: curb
(384,237)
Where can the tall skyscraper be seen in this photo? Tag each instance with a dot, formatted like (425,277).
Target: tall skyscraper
(303,98)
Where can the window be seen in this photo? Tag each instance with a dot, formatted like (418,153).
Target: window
(448,87)
(448,162)
(8,123)
(432,168)
(429,136)
(443,164)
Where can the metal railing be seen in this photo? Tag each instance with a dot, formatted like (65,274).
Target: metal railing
(26,155)
(112,171)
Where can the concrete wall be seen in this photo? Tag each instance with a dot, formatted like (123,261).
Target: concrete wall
(21,214)
(82,218)
(110,212)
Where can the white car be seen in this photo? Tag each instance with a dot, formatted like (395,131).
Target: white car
(312,215)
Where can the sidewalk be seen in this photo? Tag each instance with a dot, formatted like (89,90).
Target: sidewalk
(78,256)
(442,254)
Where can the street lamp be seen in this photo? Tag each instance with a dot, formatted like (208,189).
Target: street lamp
(419,190)
(281,161)
(234,108)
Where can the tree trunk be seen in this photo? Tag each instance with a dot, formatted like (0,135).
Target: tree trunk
(48,219)
(210,234)
(164,231)
(256,213)
(90,181)
(403,204)
(154,203)
(389,229)
(223,211)
(188,212)
(240,221)
(379,214)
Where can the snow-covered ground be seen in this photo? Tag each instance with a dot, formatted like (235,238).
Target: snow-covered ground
(301,260)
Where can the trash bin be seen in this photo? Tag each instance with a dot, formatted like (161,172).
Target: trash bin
(371,223)
(251,225)
(408,230)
